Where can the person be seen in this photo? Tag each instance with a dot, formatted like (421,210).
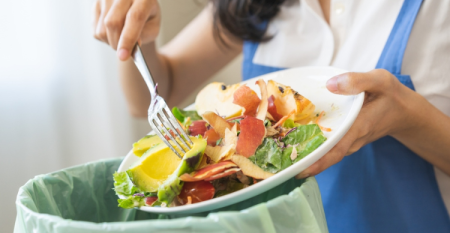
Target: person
(390,172)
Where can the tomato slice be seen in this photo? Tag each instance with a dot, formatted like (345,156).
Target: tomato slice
(199,191)
(197,127)
(150,200)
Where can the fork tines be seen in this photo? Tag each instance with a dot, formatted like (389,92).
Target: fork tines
(168,129)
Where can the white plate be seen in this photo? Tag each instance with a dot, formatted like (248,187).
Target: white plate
(341,112)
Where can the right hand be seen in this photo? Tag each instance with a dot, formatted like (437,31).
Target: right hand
(122,23)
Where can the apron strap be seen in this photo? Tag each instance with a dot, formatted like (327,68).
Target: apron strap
(392,56)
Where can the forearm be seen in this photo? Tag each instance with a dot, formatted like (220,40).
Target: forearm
(427,132)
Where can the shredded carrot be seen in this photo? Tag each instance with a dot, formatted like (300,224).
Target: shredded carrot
(325,128)
(189,200)
(317,122)
(320,116)
(283,119)
(182,126)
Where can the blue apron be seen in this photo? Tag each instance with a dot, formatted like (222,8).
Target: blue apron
(384,187)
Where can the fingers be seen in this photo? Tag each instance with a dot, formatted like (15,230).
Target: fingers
(358,135)
(100,32)
(136,18)
(115,19)
(355,83)
(367,126)
(122,23)
(334,156)
(352,141)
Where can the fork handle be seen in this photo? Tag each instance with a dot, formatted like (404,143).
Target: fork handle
(140,63)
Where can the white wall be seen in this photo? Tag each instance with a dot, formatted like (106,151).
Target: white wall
(60,98)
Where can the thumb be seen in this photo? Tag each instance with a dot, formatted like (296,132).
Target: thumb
(354,83)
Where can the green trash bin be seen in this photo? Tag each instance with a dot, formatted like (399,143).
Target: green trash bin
(81,199)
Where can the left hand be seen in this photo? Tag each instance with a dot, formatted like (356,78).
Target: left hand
(384,112)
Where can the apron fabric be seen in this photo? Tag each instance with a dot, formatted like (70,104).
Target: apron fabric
(383,187)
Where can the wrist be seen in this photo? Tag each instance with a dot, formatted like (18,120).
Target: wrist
(412,109)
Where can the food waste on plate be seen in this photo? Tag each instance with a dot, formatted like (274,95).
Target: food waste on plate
(238,138)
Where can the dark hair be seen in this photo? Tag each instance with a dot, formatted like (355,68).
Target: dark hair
(244,19)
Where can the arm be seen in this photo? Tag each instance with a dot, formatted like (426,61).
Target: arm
(389,108)
(428,131)
(189,59)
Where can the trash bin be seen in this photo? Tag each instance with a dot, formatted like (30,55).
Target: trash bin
(82,199)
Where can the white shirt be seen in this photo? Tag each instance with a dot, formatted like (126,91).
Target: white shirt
(354,40)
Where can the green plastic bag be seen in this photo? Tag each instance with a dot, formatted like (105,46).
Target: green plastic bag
(81,199)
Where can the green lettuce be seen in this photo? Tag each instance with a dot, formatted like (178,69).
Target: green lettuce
(268,156)
(123,184)
(182,115)
(305,138)
(304,149)
(131,202)
(286,158)
(272,158)
(289,123)
(301,134)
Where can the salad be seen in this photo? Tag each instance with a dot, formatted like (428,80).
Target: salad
(239,139)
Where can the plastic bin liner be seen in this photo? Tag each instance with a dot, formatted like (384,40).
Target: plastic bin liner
(81,199)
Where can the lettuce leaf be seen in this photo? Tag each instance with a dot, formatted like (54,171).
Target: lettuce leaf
(286,158)
(304,149)
(131,202)
(268,156)
(123,184)
(272,158)
(302,134)
(289,123)
(182,115)
(306,138)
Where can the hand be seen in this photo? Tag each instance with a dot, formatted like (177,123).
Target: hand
(122,23)
(384,112)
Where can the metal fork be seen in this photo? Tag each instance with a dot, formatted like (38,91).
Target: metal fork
(161,119)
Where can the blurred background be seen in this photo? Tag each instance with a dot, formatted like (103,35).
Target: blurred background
(61,104)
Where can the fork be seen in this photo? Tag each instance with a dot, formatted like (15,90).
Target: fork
(160,118)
